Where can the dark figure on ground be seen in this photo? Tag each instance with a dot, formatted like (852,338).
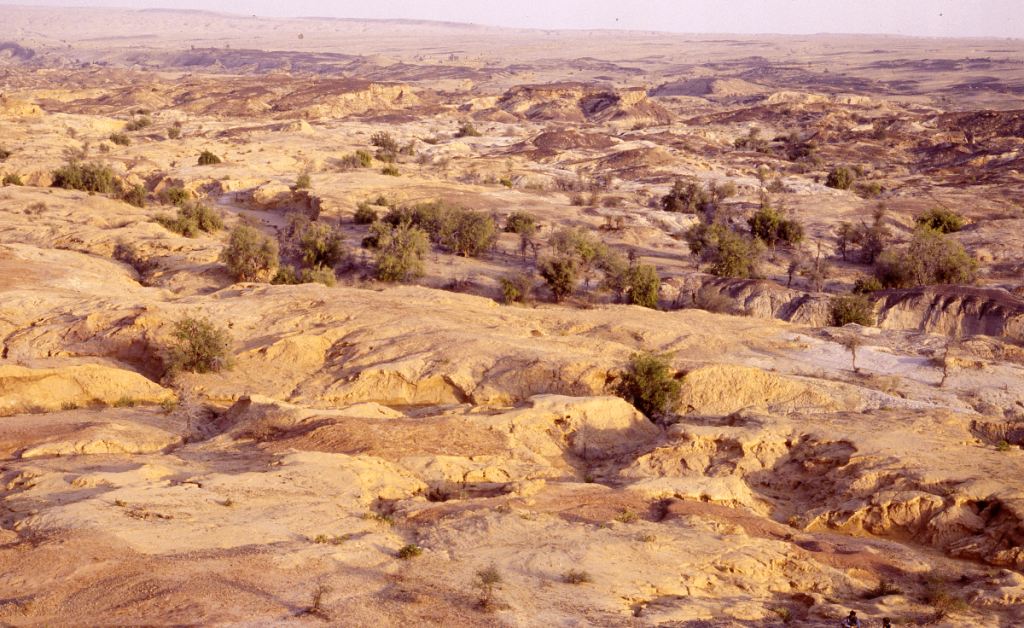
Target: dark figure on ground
(851,621)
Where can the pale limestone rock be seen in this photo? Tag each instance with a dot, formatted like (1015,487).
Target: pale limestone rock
(25,389)
(106,438)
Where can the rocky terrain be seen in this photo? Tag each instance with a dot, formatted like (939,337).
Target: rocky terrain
(389,453)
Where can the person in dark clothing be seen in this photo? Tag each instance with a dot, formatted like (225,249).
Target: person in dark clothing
(851,621)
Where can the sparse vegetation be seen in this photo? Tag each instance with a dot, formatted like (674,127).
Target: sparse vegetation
(198,346)
(771,228)
(135,195)
(320,245)
(648,384)
(391,171)
(138,124)
(410,551)
(173,133)
(303,182)
(120,139)
(11,179)
(5,153)
(521,223)
(627,515)
(250,255)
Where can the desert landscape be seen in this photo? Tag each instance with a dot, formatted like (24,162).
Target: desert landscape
(381,323)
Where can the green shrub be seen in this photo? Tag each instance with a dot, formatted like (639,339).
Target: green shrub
(770,227)
(125,402)
(5,153)
(365,158)
(930,258)
(285,276)
(320,245)
(468,233)
(138,124)
(867,285)
(941,220)
(12,179)
(173,133)
(303,182)
(86,177)
(648,384)
(712,300)
(1003,445)
(136,195)
(410,551)
(730,254)
(250,255)
(385,142)
(643,286)
(561,275)
(319,274)
(120,139)
(522,223)
(687,197)
(206,158)
(467,130)
(198,346)
(852,309)
(869,190)
(507,182)
(391,171)
(365,215)
(516,287)
(191,219)
(487,580)
(176,196)
(398,251)
(840,178)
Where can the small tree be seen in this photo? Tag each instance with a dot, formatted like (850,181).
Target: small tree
(643,286)
(250,255)
(561,275)
(648,384)
(521,223)
(851,342)
(486,581)
(198,346)
(467,130)
(469,233)
(734,255)
(687,197)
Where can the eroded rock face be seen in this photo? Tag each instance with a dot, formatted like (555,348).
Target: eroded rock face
(953,310)
(31,390)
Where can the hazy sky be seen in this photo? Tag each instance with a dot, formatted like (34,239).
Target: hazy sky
(940,18)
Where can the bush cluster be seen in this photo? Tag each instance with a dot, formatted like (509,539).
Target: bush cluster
(840,178)
(460,230)
(250,255)
(398,250)
(87,177)
(120,139)
(730,254)
(931,257)
(192,218)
